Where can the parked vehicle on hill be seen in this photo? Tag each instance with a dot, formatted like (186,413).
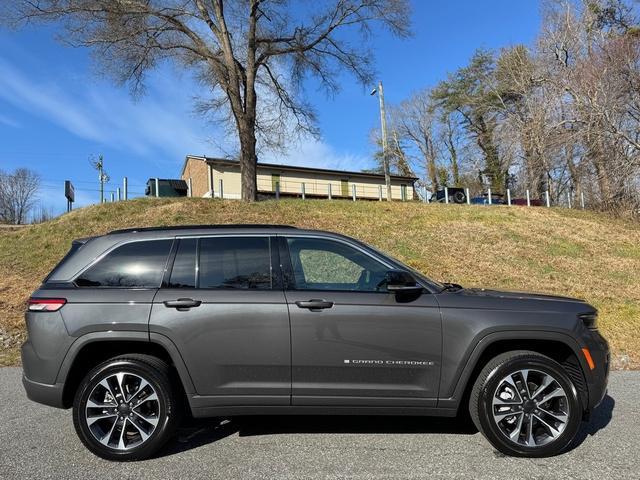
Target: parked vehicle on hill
(136,327)
(455,194)
(496,199)
(533,202)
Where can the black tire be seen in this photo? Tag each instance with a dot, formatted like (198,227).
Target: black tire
(481,405)
(157,374)
(459,197)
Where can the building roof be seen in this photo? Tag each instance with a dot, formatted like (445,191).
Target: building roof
(172,182)
(293,168)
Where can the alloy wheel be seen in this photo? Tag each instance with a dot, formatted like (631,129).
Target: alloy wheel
(530,407)
(122,411)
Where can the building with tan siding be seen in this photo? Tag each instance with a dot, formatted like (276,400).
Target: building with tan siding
(207,175)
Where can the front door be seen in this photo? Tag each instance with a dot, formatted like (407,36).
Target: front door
(354,343)
(224,309)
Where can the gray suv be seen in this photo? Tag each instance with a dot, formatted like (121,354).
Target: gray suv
(135,328)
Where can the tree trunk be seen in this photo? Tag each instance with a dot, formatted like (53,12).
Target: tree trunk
(431,165)
(453,153)
(491,157)
(248,163)
(455,170)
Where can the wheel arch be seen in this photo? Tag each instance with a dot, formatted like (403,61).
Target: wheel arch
(559,346)
(91,349)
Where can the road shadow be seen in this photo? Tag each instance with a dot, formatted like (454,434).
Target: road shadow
(196,433)
(598,420)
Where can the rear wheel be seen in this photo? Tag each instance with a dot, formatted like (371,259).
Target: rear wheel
(459,197)
(525,404)
(125,408)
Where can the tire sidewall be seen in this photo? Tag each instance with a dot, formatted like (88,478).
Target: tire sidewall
(492,431)
(159,435)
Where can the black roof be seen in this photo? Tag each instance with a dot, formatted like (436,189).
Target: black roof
(174,183)
(199,227)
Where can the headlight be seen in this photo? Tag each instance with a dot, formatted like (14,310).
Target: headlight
(590,320)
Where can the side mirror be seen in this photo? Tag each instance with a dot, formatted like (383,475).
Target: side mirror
(399,282)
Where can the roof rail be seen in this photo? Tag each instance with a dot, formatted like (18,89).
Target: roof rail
(199,227)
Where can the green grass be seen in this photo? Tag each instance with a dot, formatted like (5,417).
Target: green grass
(567,252)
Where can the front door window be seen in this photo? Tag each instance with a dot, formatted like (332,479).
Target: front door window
(320,264)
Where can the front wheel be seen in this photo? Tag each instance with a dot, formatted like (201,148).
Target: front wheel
(526,405)
(125,408)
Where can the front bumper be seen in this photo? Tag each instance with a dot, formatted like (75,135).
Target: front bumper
(44,393)
(597,378)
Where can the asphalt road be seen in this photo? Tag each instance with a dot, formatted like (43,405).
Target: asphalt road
(40,442)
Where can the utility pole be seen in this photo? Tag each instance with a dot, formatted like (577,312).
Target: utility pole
(102,175)
(385,149)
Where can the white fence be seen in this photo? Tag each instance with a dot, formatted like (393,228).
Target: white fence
(354,192)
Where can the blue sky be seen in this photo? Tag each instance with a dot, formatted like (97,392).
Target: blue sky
(55,112)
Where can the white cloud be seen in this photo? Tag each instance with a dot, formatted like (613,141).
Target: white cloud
(9,122)
(158,125)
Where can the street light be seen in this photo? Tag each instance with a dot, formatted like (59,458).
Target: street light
(383,124)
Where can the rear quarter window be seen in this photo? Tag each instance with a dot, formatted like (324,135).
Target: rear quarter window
(136,264)
(75,246)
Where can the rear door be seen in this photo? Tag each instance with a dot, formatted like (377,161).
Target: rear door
(223,306)
(353,342)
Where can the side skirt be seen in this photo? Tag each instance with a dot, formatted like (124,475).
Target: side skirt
(228,411)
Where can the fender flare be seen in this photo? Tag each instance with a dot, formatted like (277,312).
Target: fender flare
(480,346)
(124,336)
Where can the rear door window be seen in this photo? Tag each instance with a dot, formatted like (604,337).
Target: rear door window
(136,264)
(235,263)
(183,273)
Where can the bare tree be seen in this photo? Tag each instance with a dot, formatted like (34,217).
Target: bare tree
(414,119)
(18,192)
(242,51)
(399,162)
(450,138)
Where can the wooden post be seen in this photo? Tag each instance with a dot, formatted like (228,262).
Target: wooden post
(220,188)
(546,194)
(303,195)
(189,188)
(446,194)
(569,199)
(329,190)
(489,195)
(380,193)
(528,199)
(468,197)
(582,200)
(508,197)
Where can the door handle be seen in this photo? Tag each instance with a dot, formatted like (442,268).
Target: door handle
(314,304)
(182,304)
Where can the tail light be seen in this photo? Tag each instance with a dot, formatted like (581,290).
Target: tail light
(46,304)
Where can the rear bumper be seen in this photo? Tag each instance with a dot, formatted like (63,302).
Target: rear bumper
(44,393)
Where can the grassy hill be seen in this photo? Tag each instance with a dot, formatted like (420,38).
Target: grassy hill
(568,252)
